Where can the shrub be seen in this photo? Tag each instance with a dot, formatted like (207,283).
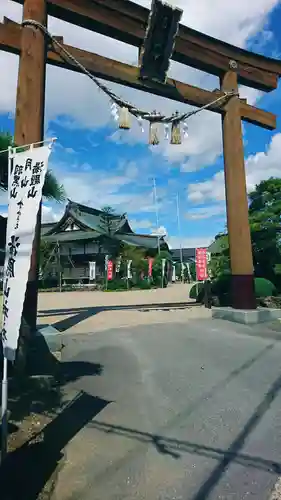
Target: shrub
(264,288)
(221,288)
(118,284)
(143,284)
(196,290)
(49,282)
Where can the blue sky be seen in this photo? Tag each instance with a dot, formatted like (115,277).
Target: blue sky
(101,165)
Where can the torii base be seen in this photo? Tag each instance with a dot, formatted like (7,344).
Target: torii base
(249,317)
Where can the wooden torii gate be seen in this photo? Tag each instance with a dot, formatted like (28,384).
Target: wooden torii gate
(126,21)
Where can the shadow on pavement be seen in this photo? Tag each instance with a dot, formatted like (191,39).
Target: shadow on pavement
(27,470)
(40,396)
(40,391)
(176,448)
(232,452)
(80,314)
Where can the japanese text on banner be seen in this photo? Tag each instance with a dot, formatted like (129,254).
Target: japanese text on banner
(27,172)
(201,264)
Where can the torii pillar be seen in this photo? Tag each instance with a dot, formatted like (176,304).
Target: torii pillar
(240,247)
(29,122)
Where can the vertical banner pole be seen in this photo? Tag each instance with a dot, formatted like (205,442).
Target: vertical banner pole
(163,271)
(4,410)
(26,183)
(60,271)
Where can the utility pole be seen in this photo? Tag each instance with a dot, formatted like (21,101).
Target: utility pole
(29,122)
(179,234)
(156,212)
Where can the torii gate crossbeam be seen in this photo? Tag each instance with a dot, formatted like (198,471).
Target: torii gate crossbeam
(126,21)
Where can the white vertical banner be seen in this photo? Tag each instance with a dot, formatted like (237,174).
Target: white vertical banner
(92,271)
(189,272)
(27,171)
(106,259)
(174,274)
(163,267)
(129,269)
(118,264)
(182,270)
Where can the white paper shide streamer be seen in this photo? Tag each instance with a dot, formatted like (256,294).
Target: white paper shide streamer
(27,171)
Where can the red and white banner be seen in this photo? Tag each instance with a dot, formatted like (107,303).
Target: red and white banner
(109,270)
(201,264)
(150,265)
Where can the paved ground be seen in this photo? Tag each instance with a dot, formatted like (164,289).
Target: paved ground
(78,312)
(183,411)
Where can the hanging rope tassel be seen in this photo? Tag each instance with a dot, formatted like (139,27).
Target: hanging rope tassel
(176,133)
(154,133)
(124,119)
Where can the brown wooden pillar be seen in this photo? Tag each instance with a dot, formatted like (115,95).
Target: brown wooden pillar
(29,121)
(241,259)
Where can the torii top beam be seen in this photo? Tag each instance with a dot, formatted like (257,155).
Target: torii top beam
(126,21)
(115,71)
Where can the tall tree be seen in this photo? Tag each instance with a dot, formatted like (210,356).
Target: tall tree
(265,225)
(107,220)
(265,215)
(109,223)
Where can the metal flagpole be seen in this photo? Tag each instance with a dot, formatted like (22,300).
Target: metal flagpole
(4,410)
(156,212)
(179,234)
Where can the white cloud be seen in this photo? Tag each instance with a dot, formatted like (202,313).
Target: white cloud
(205,212)
(98,188)
(260,166)
(51,213)
(74,96)
(195,242)
(140,224)
(160,231)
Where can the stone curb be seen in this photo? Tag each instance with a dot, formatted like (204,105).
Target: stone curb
(52,337)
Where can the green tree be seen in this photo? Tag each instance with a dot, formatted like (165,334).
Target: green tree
(107,220)
(264,216)
(137,256)
(109,223)
(157,267)
(220,260)
(52,190)
(192,268)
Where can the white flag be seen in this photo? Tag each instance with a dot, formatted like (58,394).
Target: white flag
(163,266)
(27,172)
(129,269)
(92,271)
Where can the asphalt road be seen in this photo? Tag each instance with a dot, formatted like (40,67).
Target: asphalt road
(174,412)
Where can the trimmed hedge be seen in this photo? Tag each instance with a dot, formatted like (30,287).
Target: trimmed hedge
(264,288)
(221,288)
(119,284)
